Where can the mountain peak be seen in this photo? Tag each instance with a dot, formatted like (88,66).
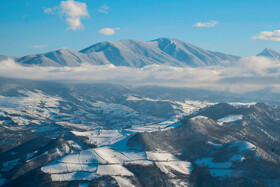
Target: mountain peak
(270,53)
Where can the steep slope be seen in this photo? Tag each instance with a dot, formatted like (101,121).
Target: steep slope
(62,57)
(270,53)
(191,55)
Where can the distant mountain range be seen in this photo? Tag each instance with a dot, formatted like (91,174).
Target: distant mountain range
(132,53)
(137,54)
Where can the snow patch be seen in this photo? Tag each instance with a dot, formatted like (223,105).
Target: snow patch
(230,119)
(101,137)
(179,166)
(80,175)
(242,105)
(113,170)
(160,156)
(123,182)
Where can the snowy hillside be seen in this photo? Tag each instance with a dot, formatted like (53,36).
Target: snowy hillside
(62,57)
(55,134)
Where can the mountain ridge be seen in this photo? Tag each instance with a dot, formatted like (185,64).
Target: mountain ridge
(132,53)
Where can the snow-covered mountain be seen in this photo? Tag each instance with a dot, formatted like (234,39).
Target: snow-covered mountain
(133,53)
(167,51)
(270,53)
(62,57)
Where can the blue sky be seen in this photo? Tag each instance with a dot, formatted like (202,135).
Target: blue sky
(30,27)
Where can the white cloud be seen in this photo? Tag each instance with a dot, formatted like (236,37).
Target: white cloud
(108,31)
(211,23)
(104,9)
(250,73)
(73,11)
(49,10)
(39,46)
(268,35)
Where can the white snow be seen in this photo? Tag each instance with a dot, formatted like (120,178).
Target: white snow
(163,125)
(113,170)
(101,137)
(116,110)
(199,117)
(179,166)
(241,105)
(160,156)
(123,182)
(140,162)
(75,145)
(187,107)
(179,182)
(32,107)
(217,169)
(229,119)
(110,156)
(107,161)
(82,127)
(83,157)
(243,146)
(79,175)
(214,144)
(237,158)
(68,167)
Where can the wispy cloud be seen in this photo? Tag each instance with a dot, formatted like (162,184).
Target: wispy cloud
(108,31)
(268,35)
(211,23)
(49,10)
(39,46)
(250,73)
(104,9)
(73,11)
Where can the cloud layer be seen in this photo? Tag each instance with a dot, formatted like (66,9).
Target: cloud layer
(268,35)
(250,73)
(108,31)
(211,23)
(73,11)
